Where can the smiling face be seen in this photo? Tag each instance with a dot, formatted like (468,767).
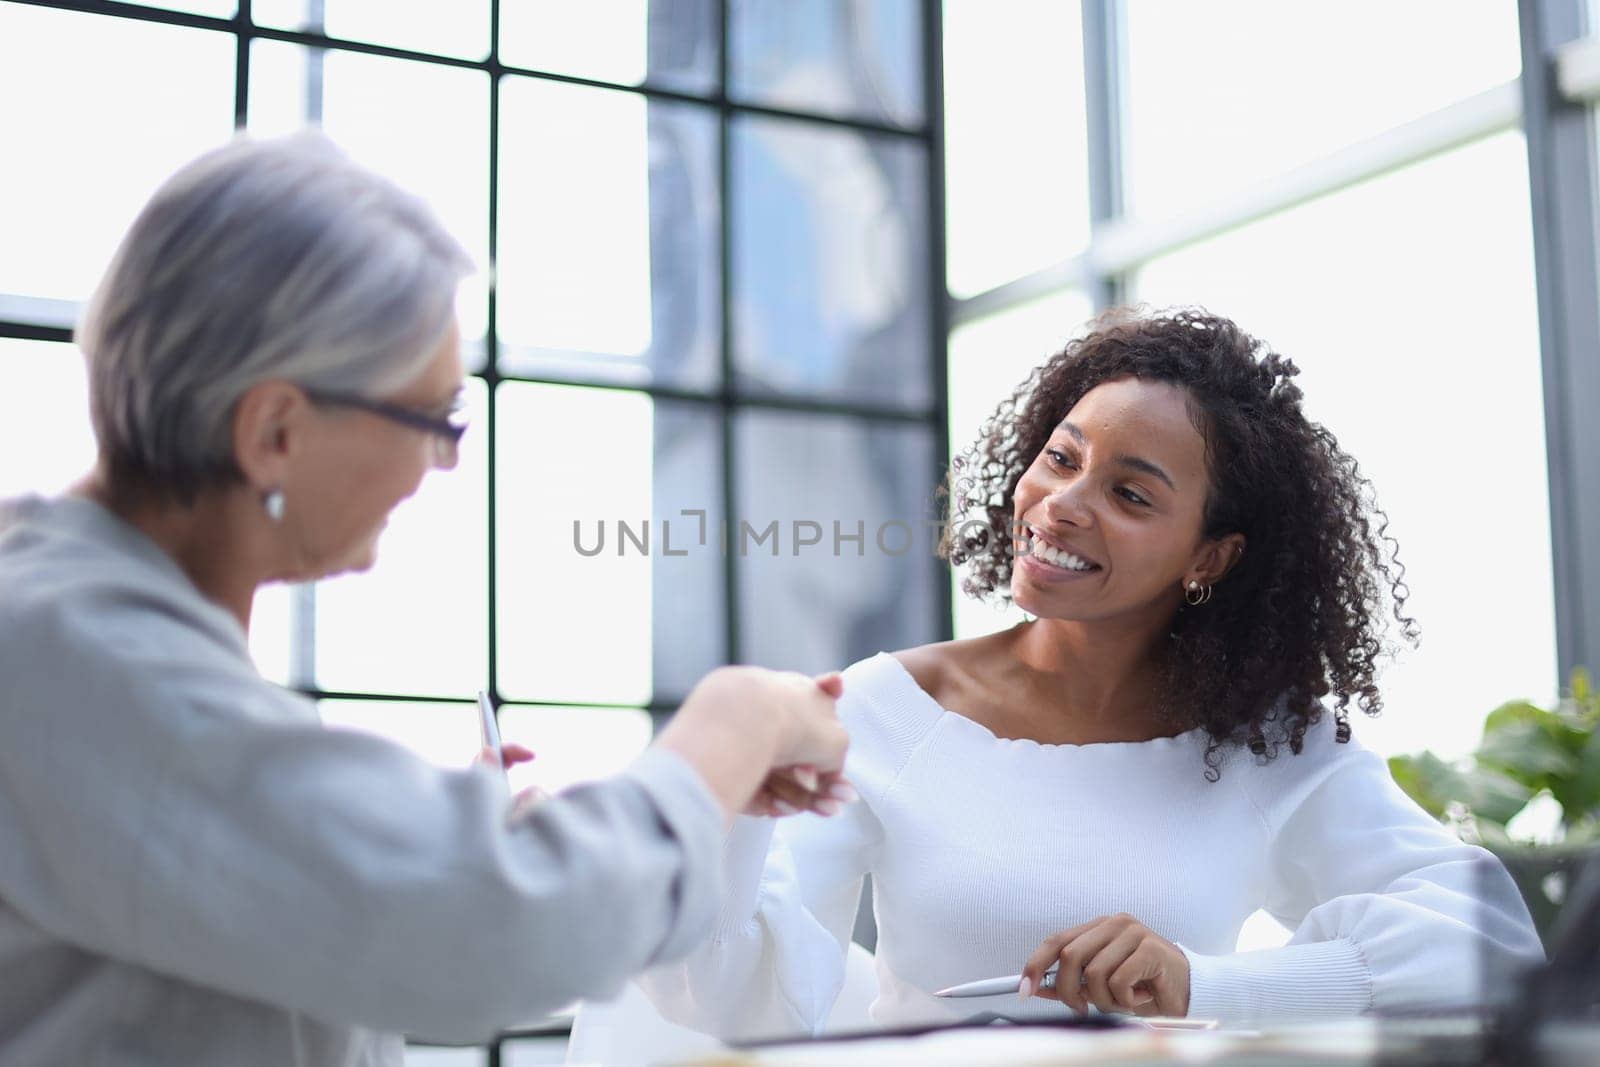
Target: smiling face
(365,465)
(1109,516)
(342,469)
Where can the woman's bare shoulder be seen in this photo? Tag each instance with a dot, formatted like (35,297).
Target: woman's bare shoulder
(946,666)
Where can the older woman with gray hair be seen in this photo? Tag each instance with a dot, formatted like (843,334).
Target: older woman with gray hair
(193,869)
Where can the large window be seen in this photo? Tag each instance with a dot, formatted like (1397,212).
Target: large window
(1224,93)
(1412,317)
(1360,197)
(1238,167)
(1016,200)
(709,314)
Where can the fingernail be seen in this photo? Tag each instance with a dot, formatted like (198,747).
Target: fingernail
(843,792)
(827,808)
(783,807)
(807,777)
(1025,990)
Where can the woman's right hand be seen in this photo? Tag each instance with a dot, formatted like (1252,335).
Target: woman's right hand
(812,735)
(761,737)
(793,788)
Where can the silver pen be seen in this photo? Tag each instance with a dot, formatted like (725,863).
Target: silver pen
(489,727)
(994,987)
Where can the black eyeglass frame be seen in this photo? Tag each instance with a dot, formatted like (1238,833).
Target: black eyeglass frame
(416,420)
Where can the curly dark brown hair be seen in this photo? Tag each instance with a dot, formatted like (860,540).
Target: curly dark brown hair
(1302,616)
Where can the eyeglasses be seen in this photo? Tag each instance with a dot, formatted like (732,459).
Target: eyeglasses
(445,434)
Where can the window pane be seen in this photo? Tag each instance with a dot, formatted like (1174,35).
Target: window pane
(220,8)
(460,28)
(573,745)
(113,107)
(44,417)
(1227,92)
(425,126)
(420,1056)
(443,734)
(609,247)
(272,632)
(989,358)
(830,263)
(860,58)
(587,612)
(809,601)
(533,1051)
(1409,303)
(671,44)
(418,621)
(1013,204)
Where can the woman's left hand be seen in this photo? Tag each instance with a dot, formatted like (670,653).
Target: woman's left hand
(510,756)
(1115,963)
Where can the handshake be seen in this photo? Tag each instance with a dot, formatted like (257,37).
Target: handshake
(765,742)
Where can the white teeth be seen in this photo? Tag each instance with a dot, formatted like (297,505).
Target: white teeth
(1055,556)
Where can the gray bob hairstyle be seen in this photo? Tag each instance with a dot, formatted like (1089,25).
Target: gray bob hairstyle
(261,260)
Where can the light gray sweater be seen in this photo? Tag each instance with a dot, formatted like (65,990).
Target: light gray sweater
(194,871)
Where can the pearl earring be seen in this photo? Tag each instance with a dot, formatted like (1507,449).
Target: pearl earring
(273,503)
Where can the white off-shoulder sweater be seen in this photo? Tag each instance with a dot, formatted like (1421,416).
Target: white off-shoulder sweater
(980,847)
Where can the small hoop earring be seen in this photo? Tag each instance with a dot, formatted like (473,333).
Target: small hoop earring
(272,503)
(1196,594)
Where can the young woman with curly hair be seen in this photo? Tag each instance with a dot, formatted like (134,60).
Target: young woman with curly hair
(1113,786)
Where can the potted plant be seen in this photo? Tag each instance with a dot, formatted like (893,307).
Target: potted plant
(1530,793)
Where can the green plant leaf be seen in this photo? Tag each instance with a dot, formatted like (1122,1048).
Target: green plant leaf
(1529,744)
(1418,777)
(1513,711)
(1582,688)
(1525,750)
(1584,790)
(1490,794)
(1486,792)
(1492,835)
(1580,706)
(1583,832)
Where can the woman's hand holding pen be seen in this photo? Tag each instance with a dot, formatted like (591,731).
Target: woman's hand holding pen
(1115,963)
(511,755)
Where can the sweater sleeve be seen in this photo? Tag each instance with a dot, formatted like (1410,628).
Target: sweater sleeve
(166,809)
(1388,909)
(776,962)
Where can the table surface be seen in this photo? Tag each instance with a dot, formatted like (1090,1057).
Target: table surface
(1438,1041)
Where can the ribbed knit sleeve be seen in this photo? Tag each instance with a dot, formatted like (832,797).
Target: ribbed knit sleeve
(1389,910)
(776,961)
